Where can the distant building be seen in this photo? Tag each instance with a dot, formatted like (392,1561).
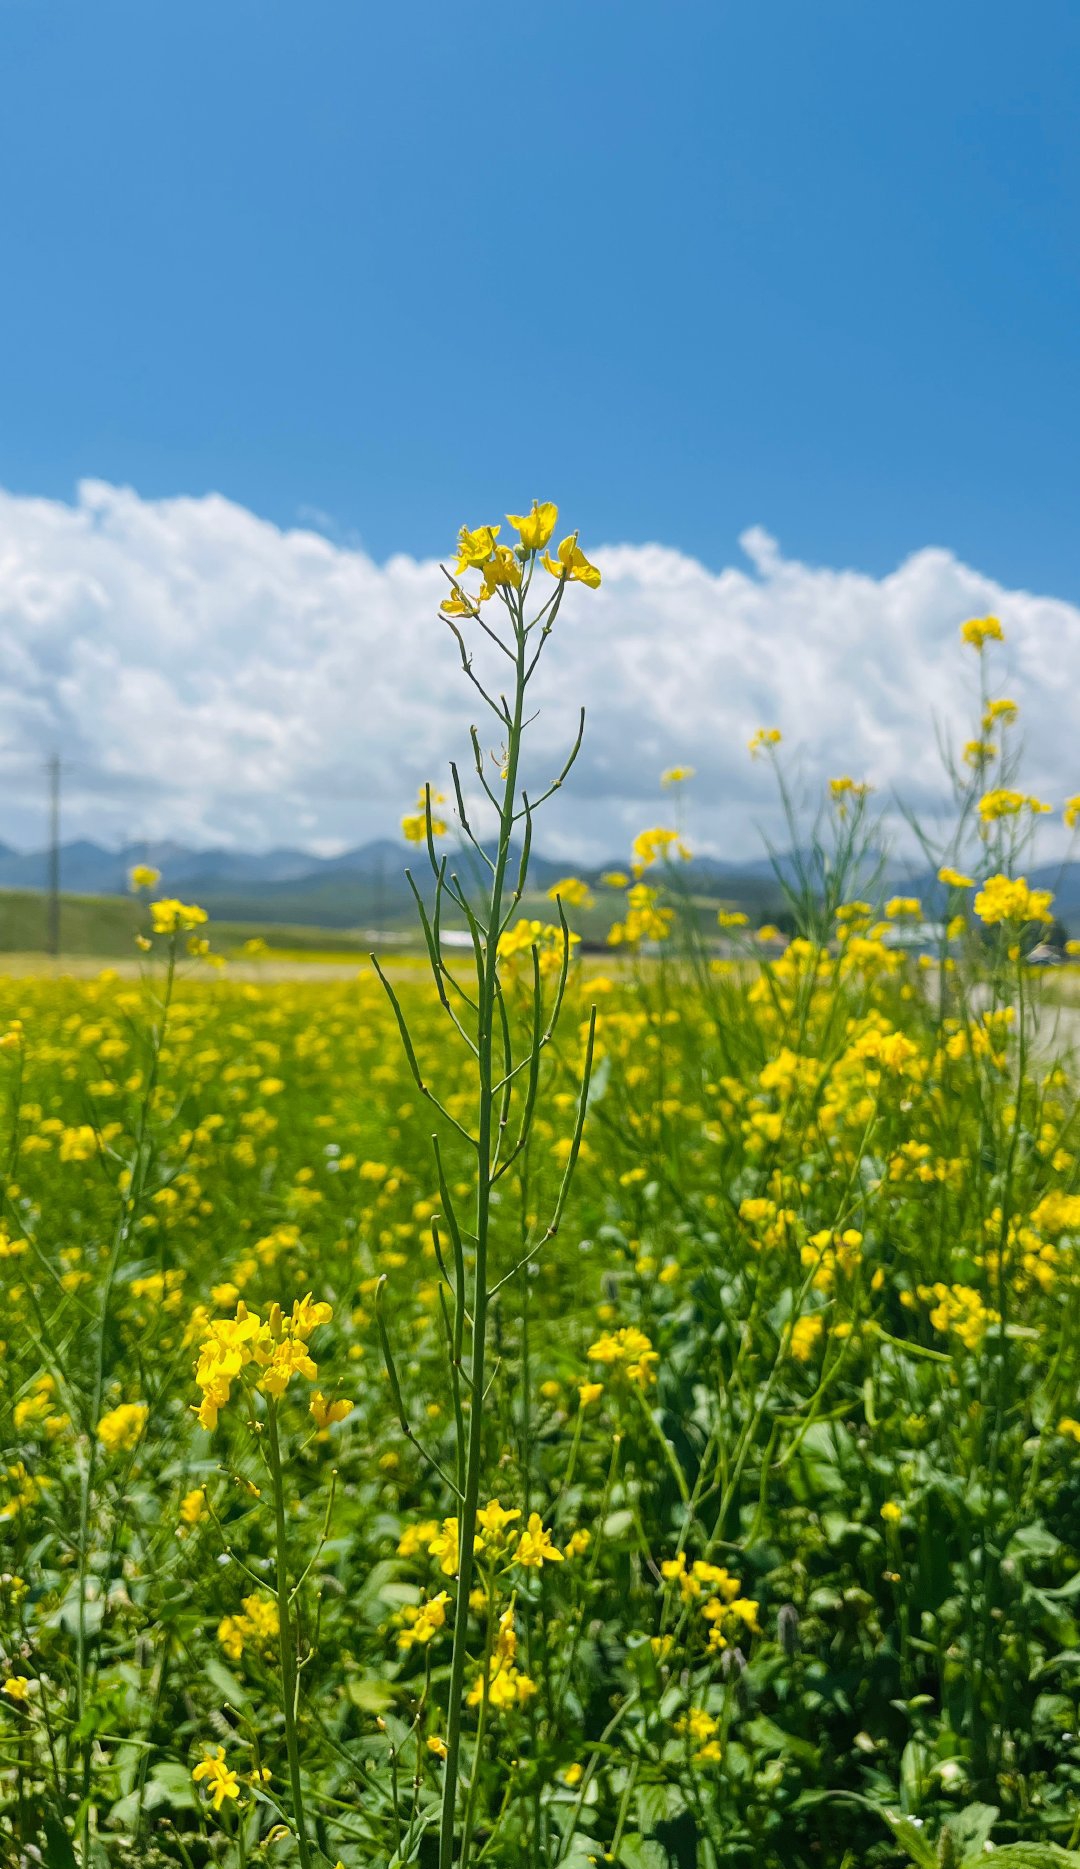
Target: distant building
(916,937)
(1045,956)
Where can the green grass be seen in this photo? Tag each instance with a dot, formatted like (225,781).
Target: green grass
(93,927)
(104,927)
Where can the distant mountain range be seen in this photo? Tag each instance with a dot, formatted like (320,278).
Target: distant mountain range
(361,887)
(368,884)
(87,868)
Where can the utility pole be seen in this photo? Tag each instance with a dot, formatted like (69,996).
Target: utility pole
(53,907)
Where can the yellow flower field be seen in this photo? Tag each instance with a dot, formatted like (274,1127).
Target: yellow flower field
(533,1412)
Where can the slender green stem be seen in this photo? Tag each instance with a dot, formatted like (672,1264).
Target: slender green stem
(486,1142)
(130,1203)
(286,1636)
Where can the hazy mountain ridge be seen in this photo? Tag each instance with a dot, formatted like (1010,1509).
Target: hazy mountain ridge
(364,885)
(368,884)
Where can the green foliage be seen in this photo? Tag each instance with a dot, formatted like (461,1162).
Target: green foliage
(766,1419)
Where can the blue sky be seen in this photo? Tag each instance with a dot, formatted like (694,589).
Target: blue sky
(686,268)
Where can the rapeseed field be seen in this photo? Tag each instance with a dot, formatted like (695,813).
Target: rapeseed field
(523,1409)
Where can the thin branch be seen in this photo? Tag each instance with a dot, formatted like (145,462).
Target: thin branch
(466,662)
(564,774)
(478,762)
(575,1147)
(450,1215)
(435,959)
(395,1392)
(533,1061)
(411,1056)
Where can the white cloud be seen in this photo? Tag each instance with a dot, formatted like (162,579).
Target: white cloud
(211,677)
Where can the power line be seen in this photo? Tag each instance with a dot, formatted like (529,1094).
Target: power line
(53,906)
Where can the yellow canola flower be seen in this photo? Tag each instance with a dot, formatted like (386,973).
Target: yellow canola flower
(507,1687)
(221,1780)
(141,876)
(700,1578)
(571,891)
(954,879)
(475,548)
(732,1621)
(414,825)
(677,775)
(501,568)
(460,604)
(258,1623)
(977,752)
(959,1309)
(572,563)
(445,1548)
(627,1351)
(325,1413)
(169,916)
(493,1520)
(655,846)
(504,1684)
(846,787)
(122,1428)
(417,1538)
(1008,899)
(423,1622)
(276,1347)
(1057,1213)
(535,528)
(806,1335)
(978,631)
(763,739)
(698,1723)
(645,920)
(700,1726)
(1071,810)
(78,1144)
(1004,803)
(534,1547)
(546,937)
(193,1506)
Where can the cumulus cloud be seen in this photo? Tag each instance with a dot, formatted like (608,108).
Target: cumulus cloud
(208,676)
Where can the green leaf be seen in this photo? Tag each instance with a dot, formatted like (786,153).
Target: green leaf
(1027,1856)
(913,1764)
(371,1695)
(170,1783)
(909,1835)
(914,1840)
(642,1853)
(1072,1588)
(1033,1541)
(58,1852)
(767,1736)
(971,1828)
(229,1686)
